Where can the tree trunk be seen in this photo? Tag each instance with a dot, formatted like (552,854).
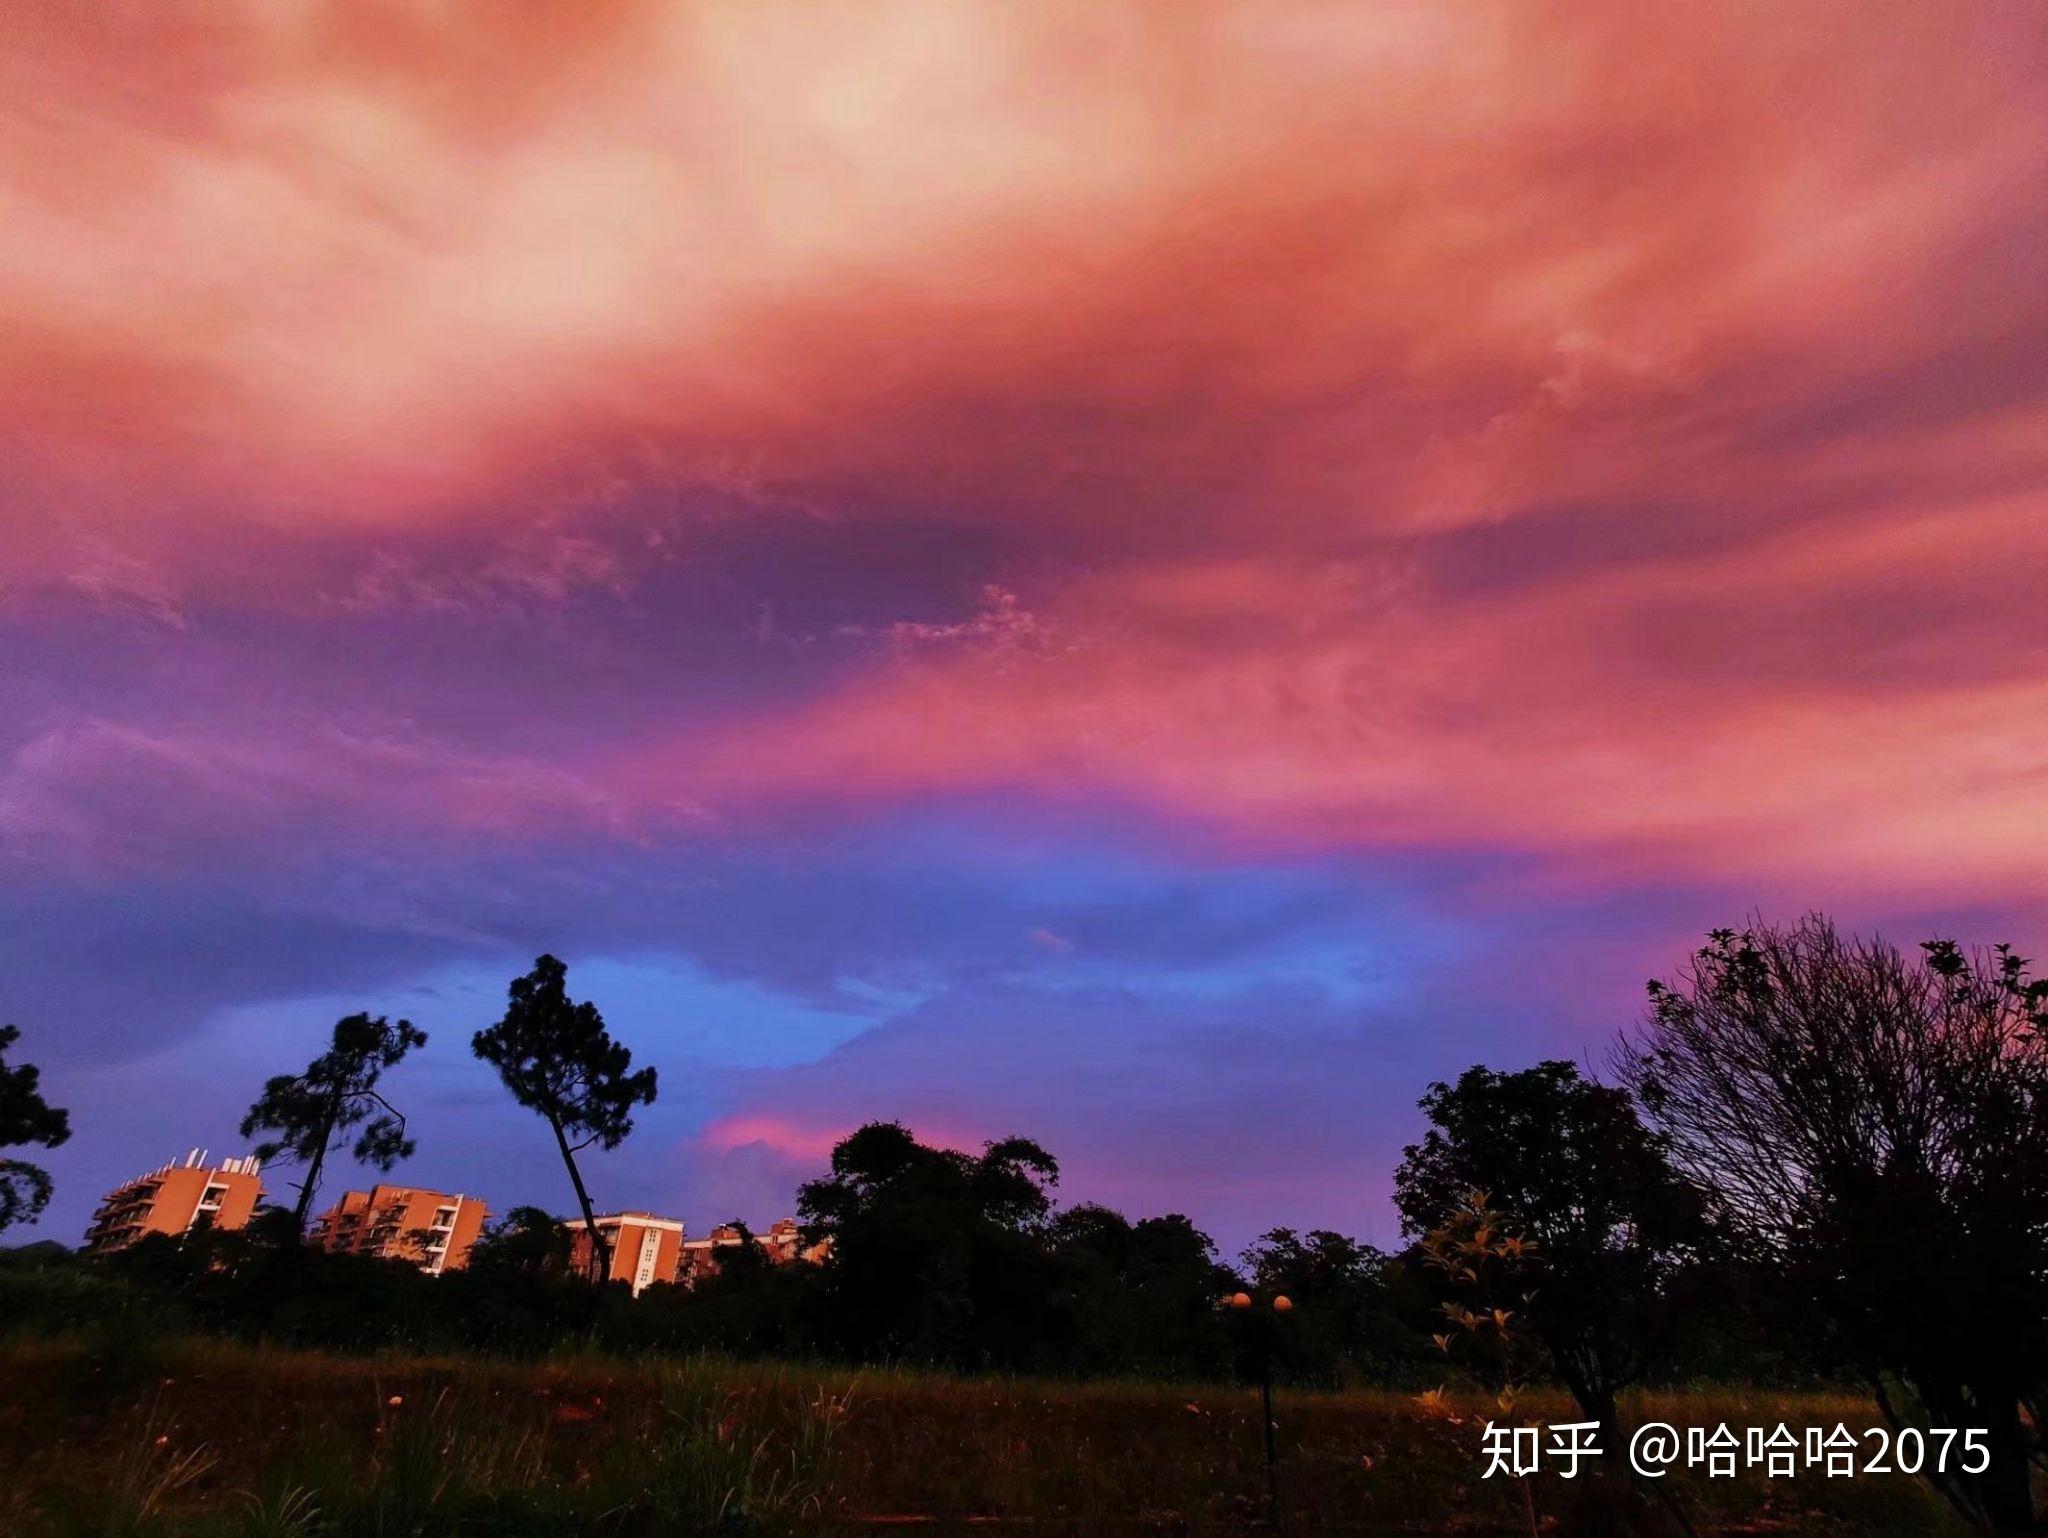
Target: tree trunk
(1594,1396)
(312,1181)
(600,1252)
(2005,1487)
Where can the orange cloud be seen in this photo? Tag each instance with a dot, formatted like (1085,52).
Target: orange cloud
(1769,711)
(1306,266)
(1242,326)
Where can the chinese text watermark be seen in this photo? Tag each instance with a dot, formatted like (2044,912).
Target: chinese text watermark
(1721,1451)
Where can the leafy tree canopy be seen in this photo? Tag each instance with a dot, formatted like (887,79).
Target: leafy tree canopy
(305,1113)
(937,1254)
(527,1240)
(557,1058)
(1875,1126)
(25,1118)
(1593,1191)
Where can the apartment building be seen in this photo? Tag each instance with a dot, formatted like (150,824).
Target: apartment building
(432,1229)
(644,1249)
(175,1199)
(783,1243)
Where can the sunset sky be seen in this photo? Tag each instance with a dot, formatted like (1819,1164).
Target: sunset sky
(1152,575)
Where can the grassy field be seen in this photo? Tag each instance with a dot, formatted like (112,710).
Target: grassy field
(209,1439)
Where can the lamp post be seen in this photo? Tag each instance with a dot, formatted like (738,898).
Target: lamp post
(1280,1306)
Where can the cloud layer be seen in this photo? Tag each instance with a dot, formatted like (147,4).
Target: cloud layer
(787,492)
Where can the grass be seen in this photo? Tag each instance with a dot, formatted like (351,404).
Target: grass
(210,1440)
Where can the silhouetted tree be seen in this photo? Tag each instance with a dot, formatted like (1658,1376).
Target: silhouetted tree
(1591,1190)
(306,1112)
(526,1240)
(745,1260)
(1135,1297)
(1877,1128)
(25,1118)
(557,1058)
(937,1255)
(1354,1305)
(747,1304)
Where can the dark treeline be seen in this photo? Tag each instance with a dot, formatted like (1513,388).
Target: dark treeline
(1818,1156)
(940,1259)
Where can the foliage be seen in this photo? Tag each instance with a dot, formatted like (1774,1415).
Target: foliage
(1490,1274)
(527,1241)
(1355,1312)
(557,1059)
(749,1307)
(1607,1220)
(1876,1127)
(304,1113)
(1135,1297)
(954,1259)
(46,1290)
(938,1256)
(25,1118)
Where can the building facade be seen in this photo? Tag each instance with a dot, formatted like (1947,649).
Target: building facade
(175,1199)
(644,1249)
(432,1229)
(783,1244)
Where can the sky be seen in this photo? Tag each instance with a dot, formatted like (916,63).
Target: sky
(1153,576)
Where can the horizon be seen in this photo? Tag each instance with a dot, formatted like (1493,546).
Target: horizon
(1153,579)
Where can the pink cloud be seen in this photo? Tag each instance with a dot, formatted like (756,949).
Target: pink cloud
(1698,714)
(103,797)
(433,435)
(777,1134)
(1226,321)
(811,1142)
(1204,273)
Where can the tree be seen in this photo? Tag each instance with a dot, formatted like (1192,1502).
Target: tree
(527,1241)
(307,1112)
(1488,1274)
(743,1262)
(937,1255)
(1876,1128)
(557,1058)
(1136,1297)
(1350,1301)
(746,1304)
(1573,1169)
(25,1118)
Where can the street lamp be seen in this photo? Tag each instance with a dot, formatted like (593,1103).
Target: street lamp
(1281,1305)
